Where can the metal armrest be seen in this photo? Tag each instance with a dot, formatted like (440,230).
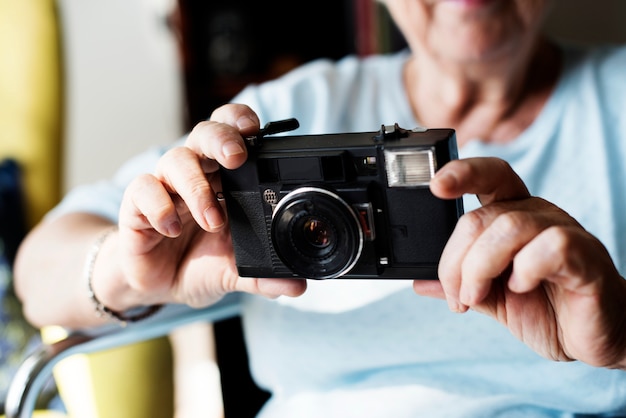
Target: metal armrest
(36,369)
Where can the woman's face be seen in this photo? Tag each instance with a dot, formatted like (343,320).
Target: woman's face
(467,31)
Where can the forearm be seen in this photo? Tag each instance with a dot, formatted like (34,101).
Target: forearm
(49,271)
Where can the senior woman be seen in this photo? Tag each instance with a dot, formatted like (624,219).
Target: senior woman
(535,264)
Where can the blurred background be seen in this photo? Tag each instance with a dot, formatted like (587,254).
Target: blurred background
(124,79)
(124,64)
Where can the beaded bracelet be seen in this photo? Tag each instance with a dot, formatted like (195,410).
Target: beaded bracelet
(132,315)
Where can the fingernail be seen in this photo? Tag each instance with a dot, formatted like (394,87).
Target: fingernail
(245,122)
(447,179)
(174,229)
(232,148)
(453,305)
(466,295)
(456,306)
(213,217)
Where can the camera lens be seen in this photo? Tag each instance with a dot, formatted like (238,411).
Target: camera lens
(316,234)
(314,237)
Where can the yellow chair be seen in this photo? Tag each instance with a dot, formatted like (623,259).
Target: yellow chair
(36,369)
(31,98)
(119,382)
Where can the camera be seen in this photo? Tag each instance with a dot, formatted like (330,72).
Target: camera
(345,205)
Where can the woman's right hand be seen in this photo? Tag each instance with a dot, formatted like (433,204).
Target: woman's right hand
(174,243)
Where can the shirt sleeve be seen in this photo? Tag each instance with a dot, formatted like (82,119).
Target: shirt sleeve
(103,198)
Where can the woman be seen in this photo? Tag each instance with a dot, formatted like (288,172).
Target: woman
(550,277)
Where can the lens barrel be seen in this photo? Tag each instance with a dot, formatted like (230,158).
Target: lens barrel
(316,234)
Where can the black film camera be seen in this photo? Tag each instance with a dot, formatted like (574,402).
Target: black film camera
(350,205)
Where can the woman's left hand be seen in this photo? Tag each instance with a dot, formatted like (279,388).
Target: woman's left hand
(531,266)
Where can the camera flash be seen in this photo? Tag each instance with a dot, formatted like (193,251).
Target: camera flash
(406,168)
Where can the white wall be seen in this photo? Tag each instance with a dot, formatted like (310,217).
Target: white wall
(123,84)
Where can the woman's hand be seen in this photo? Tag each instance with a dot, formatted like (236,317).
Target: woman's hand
(174,243)
(531,266)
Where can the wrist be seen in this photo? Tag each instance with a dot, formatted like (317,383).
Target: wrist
(110,295)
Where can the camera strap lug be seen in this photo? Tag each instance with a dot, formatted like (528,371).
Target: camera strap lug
(271,128)
(394,132)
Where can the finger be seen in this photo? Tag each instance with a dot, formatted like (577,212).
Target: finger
(491,179)
(484,242)
(221,137)
(281,287)
(147,204)
(468,228)
(216,141)
(430,288)
(182,173)
(567,256)
(271,288)
(239,116)
(493,250)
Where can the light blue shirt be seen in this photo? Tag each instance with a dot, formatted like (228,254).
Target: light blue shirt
(351,348)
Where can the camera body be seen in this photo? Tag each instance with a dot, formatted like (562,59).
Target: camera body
(349,205)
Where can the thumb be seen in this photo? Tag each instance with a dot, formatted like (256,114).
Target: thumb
(490,179)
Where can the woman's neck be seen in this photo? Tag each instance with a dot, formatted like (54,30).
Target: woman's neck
(492,102)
